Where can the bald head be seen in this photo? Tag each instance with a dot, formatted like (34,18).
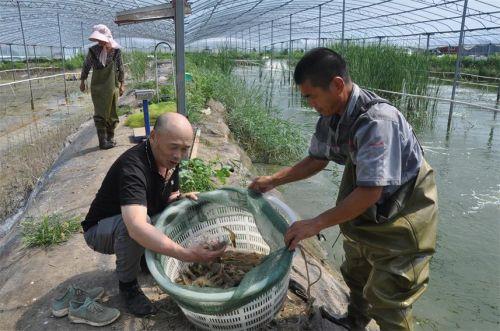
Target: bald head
(170,122)
(171,139)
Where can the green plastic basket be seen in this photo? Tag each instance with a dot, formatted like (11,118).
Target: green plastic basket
(259,226)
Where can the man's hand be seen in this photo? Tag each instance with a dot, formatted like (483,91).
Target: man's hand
(121,90)
(190,195)
(178,195)
(262,184)
(300,230)
(200,254)
(82,86)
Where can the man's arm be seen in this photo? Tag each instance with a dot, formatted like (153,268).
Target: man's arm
(135,218)
(351,207)
(306,168)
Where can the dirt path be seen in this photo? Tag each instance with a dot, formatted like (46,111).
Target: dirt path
(31,278)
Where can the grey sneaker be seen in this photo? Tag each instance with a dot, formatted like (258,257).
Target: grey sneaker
(91,313)
(60,305)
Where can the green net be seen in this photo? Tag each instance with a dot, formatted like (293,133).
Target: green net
(258,226)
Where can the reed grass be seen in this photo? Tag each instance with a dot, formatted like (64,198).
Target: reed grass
(258,129)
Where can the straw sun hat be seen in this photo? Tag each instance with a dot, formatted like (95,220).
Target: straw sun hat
(102,33)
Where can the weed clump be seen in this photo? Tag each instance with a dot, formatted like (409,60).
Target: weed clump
(50,230)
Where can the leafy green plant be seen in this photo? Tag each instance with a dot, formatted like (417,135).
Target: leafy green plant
(196,175)
(50,230)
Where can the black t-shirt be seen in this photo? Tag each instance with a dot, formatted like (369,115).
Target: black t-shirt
(132,179)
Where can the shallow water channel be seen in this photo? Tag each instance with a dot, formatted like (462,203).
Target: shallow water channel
(464,289)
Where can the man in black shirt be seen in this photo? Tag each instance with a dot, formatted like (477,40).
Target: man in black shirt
(140,184)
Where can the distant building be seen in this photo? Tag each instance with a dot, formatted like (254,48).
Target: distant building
(473,50)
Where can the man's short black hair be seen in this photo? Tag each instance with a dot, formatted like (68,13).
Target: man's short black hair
(319,66)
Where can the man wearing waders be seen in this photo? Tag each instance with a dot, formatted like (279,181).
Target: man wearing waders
(106,84)
(387,202)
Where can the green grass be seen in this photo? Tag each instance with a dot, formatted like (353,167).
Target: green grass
(257,128)
(124,110)
(489,67)
(50,230)
(137,120)
(72,63)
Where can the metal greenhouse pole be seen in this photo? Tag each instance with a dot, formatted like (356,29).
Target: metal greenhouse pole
(319,27)
(62,57)
(83,42)
(457,65)
(343,23)
(26,56)
(34,54)
(428,40)
(290,48)
(12,63)
(179,57)
(259,37)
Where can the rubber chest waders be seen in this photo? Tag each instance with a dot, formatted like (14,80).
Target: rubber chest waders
(388,249)
(104,92)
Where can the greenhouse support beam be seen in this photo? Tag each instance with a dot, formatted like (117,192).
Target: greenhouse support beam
(272,45)
(343,23)
(34,53)
(289,48)
(1,53)
(62,58)
(319,27)
(457,64)
(12,63)
(249,40)
(179,57)
(428,41)
(26,55)
(259,37)
(83,42)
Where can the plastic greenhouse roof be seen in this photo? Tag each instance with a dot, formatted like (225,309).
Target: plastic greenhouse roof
(405,22)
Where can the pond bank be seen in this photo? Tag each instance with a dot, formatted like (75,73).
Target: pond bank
(31,278)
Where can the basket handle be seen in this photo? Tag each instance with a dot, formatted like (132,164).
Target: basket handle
(292,215)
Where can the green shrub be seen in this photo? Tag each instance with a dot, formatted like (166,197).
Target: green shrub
(50,230)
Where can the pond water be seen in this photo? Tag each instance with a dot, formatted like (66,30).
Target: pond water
(464,289)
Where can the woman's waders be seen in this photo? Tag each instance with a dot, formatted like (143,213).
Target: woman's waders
(104,92)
